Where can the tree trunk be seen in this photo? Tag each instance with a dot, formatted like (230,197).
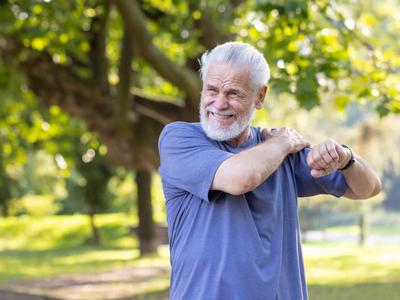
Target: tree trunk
(146,230)
(5,184)
(95,238)
(362,223)
(4,210)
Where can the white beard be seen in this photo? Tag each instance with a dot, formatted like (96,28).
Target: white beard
(215,132)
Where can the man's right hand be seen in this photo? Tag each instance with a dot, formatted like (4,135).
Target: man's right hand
(289,137)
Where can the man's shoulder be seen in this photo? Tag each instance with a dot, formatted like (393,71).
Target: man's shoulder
(179,129)
(180,125)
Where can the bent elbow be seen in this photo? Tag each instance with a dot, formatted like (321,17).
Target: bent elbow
(377,188)
(366,192)
(245,184)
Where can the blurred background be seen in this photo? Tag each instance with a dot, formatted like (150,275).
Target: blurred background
(86,87)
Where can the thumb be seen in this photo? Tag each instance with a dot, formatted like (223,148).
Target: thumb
(267,133)
(317,173)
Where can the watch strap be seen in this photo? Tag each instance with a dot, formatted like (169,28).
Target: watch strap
(351,161)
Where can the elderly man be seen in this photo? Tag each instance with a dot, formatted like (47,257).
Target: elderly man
(231,189)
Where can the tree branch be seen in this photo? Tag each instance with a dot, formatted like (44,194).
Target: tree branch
(125,74)
(185,79)
(160,110)
(135,147)
(210,34)
(98,56)
(56,85)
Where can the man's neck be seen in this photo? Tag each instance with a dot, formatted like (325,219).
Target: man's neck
(241,138)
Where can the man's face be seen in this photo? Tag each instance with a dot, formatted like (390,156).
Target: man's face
(227,101)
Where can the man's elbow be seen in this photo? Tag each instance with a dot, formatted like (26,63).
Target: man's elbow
(244,184)
(366,194)
(377,188)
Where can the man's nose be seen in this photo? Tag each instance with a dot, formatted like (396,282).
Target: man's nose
(221,102)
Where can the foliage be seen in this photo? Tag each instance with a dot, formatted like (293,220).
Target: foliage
(21,129)
(26,127)
(312,46)
(35,206)
(123,191)
(39,175)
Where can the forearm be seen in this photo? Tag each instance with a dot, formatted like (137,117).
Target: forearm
(248,169)
(362,181)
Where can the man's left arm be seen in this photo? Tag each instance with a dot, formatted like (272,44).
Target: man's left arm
(327,157)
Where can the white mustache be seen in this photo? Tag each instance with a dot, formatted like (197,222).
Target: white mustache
(227,112)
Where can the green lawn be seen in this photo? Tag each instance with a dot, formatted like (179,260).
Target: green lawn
(39,248)
(346,271)
(44,247)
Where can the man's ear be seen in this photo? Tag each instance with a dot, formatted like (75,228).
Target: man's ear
(261,96)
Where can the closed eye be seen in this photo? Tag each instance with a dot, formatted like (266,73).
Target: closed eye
(234,93)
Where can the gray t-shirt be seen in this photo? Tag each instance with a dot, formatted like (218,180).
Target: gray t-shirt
(226,247)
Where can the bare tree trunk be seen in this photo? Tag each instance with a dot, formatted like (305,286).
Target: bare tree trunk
(146,230)
(95,238)
(362,225)
(4,209)
(5,184)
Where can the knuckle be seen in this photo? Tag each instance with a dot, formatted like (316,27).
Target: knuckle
(332,142)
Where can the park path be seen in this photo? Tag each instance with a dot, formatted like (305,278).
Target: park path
(133,282)
(372,239)
(127,283)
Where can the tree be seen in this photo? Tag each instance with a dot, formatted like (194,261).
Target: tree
(28,129)
(5,188)
(107,62)
(97,173)
(17,130)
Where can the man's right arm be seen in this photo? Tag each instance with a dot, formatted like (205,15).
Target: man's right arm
(246,170)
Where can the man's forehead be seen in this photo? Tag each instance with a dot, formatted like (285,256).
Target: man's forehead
(219,72)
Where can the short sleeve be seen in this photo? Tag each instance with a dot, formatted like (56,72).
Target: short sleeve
(308,185)
(188,159)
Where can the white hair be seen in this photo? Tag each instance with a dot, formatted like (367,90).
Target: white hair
(237,53)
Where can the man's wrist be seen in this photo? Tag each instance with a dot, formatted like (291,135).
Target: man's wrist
(351,159)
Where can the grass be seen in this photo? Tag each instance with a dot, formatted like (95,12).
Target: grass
(51,246)
(346,271)
(56,245)
(52,232)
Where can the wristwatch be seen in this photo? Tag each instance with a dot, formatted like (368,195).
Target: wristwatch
(351,161)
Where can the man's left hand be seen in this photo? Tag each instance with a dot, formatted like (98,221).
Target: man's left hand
(326,158)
